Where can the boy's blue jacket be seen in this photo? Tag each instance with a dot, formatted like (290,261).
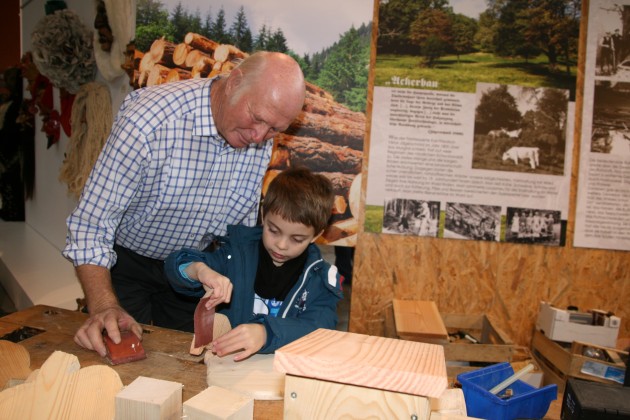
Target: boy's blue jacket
(311,303)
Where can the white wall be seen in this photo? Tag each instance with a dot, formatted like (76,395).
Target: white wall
(51,204)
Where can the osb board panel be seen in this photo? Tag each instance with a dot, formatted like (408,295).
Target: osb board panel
(505,281)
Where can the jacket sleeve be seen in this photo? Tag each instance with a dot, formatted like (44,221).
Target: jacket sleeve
(320,311)
(178,282)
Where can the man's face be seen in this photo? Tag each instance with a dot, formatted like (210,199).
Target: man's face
(252,116)
(285,240)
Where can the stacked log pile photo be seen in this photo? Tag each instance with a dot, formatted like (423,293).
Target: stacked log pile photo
(326,137)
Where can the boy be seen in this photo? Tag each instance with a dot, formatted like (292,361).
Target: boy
(270,280)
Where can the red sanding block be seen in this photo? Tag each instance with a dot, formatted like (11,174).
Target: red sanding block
(128,350)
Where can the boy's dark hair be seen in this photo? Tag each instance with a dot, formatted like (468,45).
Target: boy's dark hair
(300,196)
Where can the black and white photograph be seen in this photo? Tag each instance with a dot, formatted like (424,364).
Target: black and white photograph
(525,225)
(520,129)
(411,217)
(472,221)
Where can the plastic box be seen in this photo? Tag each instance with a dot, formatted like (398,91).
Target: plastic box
(526,401)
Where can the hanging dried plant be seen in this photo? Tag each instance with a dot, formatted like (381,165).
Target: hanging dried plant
(62,50)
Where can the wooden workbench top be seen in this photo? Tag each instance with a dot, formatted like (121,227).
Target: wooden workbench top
(166,350)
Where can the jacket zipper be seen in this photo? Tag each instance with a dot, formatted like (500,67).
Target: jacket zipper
(284,314)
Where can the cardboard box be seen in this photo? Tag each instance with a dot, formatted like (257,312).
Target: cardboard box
(563,361)
(595,327)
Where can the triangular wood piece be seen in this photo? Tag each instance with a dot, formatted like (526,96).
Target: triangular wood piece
(375,362)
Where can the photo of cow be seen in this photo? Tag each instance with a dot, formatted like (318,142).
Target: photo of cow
(534,226)
(472,221)
(411,217)
(520,129)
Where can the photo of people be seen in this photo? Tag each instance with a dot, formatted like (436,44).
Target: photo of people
(472,221)
(533,226)
(411,217)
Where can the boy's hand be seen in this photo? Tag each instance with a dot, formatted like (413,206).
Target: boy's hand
(221,286)
(247,337)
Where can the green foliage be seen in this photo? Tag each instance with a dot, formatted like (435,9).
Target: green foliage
(497,109)
(240,32)
(146,34)
(345,72)
(373,219)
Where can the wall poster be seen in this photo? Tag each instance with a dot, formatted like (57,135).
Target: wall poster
(472,120)
(331,40)
(602,218)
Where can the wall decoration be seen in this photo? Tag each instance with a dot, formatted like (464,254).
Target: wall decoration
(602,219)
(115,25)
(91,123)
(476,122)
(62,50)
(174,44)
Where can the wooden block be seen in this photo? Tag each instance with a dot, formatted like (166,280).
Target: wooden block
(15,362)
(63,390)
(375,362)
(149,398)
(307,398)
(254,376)
(419,320)
(451,402)
(216,403)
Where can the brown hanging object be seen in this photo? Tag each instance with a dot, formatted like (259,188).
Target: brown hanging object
(91,123)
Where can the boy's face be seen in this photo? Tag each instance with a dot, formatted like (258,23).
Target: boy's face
(285,240)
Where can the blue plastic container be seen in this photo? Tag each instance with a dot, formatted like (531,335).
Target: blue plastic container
(526,401)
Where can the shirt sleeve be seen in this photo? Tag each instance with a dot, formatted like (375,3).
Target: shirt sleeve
(107,194)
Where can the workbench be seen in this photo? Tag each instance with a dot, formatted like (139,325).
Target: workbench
(45,329)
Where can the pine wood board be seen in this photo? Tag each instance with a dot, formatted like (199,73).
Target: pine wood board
(15,362)
(254,376)
(419,319)
(61,389)
(375,362)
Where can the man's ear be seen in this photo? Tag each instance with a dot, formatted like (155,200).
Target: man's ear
(317,236)
(233,81)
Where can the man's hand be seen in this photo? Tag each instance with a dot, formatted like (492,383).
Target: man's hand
(113,319)
(246,337)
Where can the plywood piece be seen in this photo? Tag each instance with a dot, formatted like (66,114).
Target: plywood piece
(216,403)
(15,362)
(451,402)
(375,362)
(149,398)
(419,320)
(63,391)
(254,376)
(307,398)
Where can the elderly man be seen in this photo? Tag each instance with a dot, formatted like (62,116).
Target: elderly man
(183,160)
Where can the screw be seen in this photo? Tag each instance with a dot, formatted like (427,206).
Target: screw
(294,395)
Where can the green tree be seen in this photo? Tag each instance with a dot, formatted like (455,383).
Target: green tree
(240,32)
(487,27)
(150,11)
(277,42)
(260,44)
(180,22)
(152,22)
(395,20)
(432,32)
(218,31)
(463,30)
(345,71)
(554,26)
